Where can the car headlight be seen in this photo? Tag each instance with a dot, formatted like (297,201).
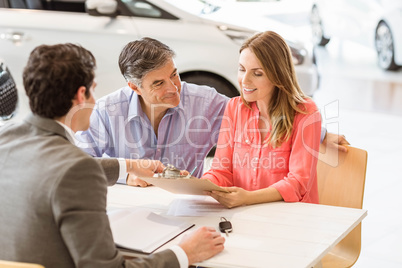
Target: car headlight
(238,36)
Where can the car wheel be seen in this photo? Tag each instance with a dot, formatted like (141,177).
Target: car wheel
(384,44)
(216,82)
(318,35)
(8,94)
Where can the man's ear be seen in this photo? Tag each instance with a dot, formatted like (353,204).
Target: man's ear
(134,87)
(80,97)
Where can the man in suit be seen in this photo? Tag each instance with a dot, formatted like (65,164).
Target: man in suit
(52,194)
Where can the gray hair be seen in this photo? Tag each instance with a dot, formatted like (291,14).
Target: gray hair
(142,56)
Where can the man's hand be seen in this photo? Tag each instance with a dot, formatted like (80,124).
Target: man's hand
(133,180)
(184,173)
(142,168)
(335,141)
(202,244)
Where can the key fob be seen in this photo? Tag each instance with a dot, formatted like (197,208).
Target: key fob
(225,226)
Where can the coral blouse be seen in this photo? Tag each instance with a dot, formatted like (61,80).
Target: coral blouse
(242,159)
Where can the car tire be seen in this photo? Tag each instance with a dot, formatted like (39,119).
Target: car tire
(221,85)
(8,93)
(317,30)
(384,44)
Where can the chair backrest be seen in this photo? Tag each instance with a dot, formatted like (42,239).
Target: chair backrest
(12,264)
(341,177)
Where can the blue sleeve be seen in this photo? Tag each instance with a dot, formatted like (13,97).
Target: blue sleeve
(216,111)
(323,133)
(94,141)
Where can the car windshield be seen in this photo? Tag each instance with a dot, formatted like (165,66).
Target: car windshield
(197,7)
(142,9)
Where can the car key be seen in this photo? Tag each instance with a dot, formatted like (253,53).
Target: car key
(225,226)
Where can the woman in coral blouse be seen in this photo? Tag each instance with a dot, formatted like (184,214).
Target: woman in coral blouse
(270,135)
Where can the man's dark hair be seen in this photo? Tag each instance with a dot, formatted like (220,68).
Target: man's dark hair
(142,56)
(53,75)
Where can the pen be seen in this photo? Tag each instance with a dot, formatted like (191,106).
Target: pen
(191,173)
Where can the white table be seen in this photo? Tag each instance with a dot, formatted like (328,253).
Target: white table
(267,235)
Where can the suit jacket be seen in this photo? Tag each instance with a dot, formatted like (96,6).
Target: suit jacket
(53,202)
(111,168)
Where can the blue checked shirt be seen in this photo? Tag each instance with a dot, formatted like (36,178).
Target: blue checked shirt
(119,128)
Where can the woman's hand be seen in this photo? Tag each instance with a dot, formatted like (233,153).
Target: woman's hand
(240,197)
(235,198)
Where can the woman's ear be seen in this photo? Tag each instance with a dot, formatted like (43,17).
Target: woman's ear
(134,87)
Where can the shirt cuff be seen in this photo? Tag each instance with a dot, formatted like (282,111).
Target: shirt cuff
(323,133)
(181,256)
(122,171)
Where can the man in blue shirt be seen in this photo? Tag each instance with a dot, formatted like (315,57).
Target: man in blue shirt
(157,116)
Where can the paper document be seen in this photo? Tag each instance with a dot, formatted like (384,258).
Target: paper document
(191,185)
(196,206)
(142,230)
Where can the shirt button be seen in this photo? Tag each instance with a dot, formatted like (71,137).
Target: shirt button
(254,169)
(247,141)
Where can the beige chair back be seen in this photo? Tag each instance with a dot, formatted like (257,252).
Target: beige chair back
(341,178)
(12,264)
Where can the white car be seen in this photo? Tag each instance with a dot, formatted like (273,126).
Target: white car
(373,23)
(207,51)
(262,16)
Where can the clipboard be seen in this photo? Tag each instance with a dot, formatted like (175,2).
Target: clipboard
(128,227)
(182,185)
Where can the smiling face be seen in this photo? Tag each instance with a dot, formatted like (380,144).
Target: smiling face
(160,88)
(253,81)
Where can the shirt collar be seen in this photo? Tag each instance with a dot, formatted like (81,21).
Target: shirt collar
(134,109)
(69,132)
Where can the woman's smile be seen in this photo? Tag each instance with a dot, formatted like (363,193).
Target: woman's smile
(248,90)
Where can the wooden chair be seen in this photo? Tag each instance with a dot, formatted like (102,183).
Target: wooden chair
(341,177)
(12,264)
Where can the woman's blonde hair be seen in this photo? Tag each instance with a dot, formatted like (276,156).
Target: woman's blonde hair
(276,60)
